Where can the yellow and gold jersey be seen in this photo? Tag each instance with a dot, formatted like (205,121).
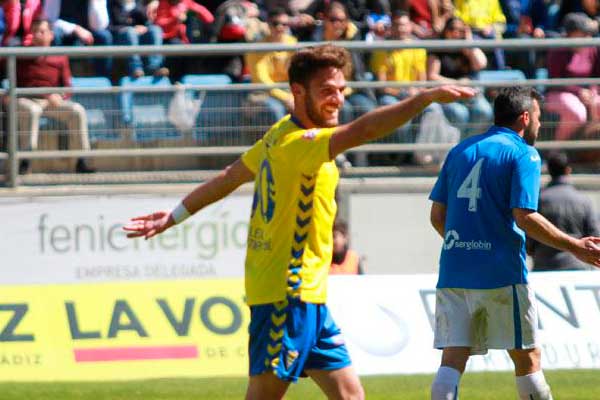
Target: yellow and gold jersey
(290,235)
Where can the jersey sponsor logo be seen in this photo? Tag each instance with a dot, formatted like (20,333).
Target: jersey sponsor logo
(310,134)
(452,241)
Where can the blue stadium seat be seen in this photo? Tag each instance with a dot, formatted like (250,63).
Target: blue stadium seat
(541,73)
(102,109)
(146,112)
(219,120)
(501,75)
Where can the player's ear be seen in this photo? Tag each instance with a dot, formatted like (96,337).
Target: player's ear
(526,118)
(297,89)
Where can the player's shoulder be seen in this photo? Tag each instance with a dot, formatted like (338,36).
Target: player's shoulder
(506,140)
(465,145)
(280,130)
(526,152)
(294,133)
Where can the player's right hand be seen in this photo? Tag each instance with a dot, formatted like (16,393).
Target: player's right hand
(590,251)
(149,225)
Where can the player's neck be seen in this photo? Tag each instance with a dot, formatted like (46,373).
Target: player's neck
(519,129)
(300,118)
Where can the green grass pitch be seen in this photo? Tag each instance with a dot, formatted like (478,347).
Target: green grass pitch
(566,385)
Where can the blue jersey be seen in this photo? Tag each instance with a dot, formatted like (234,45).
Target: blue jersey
(483,179)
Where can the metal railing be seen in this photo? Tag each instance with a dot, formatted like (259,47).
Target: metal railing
(11,54)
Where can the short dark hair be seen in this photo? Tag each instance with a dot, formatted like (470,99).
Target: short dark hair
(450,22)
(399,13)
(40,20)
(339,225)
(336,5)
(307,61)
(276,12)
(511,102)
(558,162)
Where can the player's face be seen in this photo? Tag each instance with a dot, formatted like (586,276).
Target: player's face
(532,129)
(325,96)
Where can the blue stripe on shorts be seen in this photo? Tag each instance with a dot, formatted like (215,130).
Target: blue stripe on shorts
(517,319)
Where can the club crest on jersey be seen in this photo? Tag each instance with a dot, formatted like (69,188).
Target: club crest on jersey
(310,134)
(290,358)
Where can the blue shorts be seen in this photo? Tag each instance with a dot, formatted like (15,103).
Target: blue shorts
(291,336)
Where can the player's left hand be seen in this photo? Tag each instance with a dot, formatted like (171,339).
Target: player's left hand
(149,225)
(450,93)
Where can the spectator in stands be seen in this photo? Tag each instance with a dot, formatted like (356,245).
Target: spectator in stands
(129,26)
(591,8)
(81,23)
(345,261)
(460,65)
(48,71)
(357,10)
(574,104)
(569,210)
(170,16)
(301,23)
(428,16)
(529,19)
(2,23)
(336,26)
(378,22)
(236,21)
(486,20)
(18,16)
(402,65)
(271,67)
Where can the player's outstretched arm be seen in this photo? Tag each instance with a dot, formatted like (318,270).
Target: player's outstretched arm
(383,120)
(539,228)
(207,193)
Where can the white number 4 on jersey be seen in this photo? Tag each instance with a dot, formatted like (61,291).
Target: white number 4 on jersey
(470,189)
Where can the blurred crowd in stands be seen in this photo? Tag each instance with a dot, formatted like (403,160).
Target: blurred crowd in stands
(158,22)
(167,22)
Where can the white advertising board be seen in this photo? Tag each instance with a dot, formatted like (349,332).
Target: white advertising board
(387,322)
(79,239)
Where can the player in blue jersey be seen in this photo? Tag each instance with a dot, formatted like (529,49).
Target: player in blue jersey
(484,201)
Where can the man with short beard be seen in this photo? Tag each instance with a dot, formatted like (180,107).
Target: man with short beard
(289,249)
(484,201)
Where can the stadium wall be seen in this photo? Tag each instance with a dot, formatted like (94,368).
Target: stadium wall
(69,235)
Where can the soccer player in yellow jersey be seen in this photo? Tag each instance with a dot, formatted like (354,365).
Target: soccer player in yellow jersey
(290,240)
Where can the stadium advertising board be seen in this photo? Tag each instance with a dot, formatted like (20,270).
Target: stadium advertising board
(388,322)
(79,239)
(198,328)
(123,330)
